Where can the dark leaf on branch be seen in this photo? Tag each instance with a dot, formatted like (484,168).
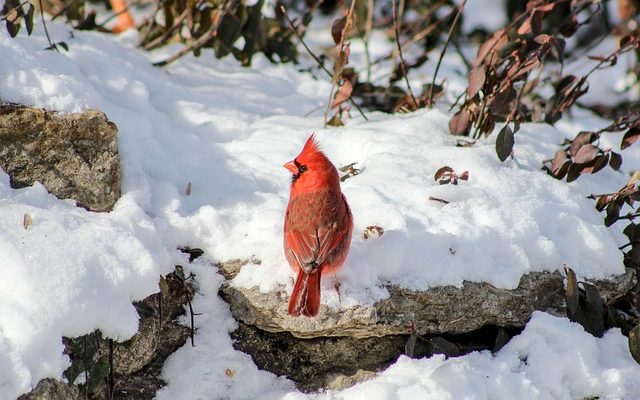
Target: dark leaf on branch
(504,143)
(630,137)
(486,52)
(28,18)
(558,161)
(585,154)
(342,94)
(582,139)
(460,123)
(13,27)
(562,172)
(502,101)
(602,202)
(337,27)
(476,80)
(574,171)
(600,162)
(569,26)
(593,310)
(613,212)
(632,231)
(615,161)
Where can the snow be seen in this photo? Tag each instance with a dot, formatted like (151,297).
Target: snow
(227,130)
(551,359)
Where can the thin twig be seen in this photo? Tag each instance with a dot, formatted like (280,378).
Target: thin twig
(63,10)
(192,315)
(455,103)
(317,59)
(403,64)
(418,36)
(444,49)
(629,216)
(196,44)
(112,16)
(295,31)
(158,41)
(334,77)
(438,200)
(46,31)
(627,245)
(367,36)
(466,62)
(314,110)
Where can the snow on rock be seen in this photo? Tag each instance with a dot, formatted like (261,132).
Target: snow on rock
(68,273)
(227,130)
(552,359)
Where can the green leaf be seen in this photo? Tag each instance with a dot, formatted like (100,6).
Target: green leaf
(504,143)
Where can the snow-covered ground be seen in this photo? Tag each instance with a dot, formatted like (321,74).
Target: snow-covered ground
(227,130)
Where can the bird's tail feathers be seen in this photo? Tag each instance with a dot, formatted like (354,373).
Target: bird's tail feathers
(305,299)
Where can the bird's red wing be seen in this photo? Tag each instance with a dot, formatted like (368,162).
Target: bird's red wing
(308,248)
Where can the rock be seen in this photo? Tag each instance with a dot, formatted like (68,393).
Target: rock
(73,155)
(334,362)
(446,309)
(157,330)
(134,354)
(52,389)
(137,363)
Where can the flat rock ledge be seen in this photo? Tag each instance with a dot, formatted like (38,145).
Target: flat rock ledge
(445,309)
(74,156)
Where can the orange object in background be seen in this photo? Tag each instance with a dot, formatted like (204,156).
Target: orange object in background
(125,20)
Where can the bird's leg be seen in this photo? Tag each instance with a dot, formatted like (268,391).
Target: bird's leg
(336,285)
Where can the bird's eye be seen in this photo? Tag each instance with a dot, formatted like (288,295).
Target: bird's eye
(301,167)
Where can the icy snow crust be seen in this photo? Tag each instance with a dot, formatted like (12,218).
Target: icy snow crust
(227,130)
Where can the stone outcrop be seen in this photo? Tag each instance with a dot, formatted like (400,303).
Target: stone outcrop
(339,348)
(52,389)
(438,310)
(137,362)
(75,156)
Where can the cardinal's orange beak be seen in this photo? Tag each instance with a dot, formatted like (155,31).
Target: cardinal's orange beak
(291,166)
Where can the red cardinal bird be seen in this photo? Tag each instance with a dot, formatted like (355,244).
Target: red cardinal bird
(317,226)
